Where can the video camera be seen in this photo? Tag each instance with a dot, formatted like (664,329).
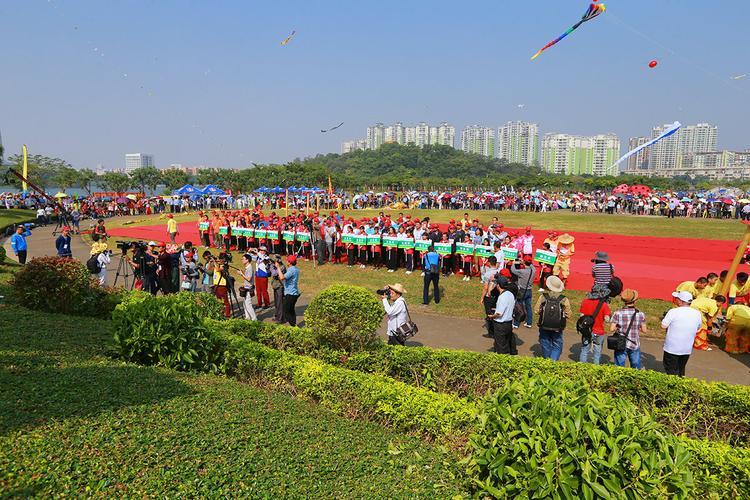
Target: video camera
(383,291)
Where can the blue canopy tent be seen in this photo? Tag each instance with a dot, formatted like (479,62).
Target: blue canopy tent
(293,189)
(262,189)
(277,189)
(185,190)
(212,191)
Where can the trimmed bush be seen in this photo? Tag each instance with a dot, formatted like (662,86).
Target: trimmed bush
(345,317)
(542,438)
(349,393)
(62,285)
(687,406)
(3,254)
(720,470)
(168,330)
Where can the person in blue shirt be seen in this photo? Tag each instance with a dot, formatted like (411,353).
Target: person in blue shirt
(62,243)
(431,268)
(290,278)
(18,243)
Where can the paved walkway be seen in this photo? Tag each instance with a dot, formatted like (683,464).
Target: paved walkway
(467,334)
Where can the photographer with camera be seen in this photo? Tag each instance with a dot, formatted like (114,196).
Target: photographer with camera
(222,282)
(150,257)
(207,281)
(395,309)
(248,276)
(278,288)
(290,278)
(97,263)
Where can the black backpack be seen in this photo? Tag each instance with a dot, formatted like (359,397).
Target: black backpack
(585,324)
(93,264)
(552,317)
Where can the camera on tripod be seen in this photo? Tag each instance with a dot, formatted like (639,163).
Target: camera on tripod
(124,246)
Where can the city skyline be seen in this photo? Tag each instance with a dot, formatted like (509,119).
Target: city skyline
(213,86)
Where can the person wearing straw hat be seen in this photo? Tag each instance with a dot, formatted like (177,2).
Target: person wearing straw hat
(630,320)
(395,309)
(553,310)
(100,250)
(565,251)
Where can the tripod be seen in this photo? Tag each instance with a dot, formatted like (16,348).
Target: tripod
(236,308)
(123,269)
(63,219)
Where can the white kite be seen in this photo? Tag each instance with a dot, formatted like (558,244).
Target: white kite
(671,130)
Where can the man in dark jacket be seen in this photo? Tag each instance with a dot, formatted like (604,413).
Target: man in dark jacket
(62,243)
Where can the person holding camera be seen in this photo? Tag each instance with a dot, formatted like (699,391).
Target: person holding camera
(278,288)
(630,322)
(505,339)
(222,283)
(262,273)
(395,309)
(18,242)
(290,278)
(524,272)
(164,269)
(248,275)
(102,254)
(207,282)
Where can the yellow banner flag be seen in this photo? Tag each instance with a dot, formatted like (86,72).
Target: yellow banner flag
(25,172)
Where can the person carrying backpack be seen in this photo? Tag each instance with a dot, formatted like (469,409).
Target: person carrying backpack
(553,310)
(98,260)
(595,312)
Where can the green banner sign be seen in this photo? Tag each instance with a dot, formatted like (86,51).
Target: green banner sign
(406,242)
(465,248)
(203,226)
(288,235)
(545,257)
(223,230)
(360,240)
(510,253)
(483,251)
(444,248)
(303,236)
(422,245)
(347,239)
(390,242)
(260,233)
(373,239)
(272,234)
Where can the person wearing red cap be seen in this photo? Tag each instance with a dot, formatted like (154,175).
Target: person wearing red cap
(62,243)
(172,228)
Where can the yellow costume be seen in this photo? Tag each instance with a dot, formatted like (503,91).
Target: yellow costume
(737,335)
(708,309)
(565,251)
(716,289)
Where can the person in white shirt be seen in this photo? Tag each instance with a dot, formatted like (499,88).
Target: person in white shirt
(682,324)
(103,259)
(395,309)
(505,339)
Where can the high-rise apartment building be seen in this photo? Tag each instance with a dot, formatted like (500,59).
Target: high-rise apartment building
(478,140)
(421,135)
(355,145)
(638,161)
(576,155)
(668,153)
(518,142)
(138,160)
(375,136)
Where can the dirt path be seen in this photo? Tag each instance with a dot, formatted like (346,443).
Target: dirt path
(467,334)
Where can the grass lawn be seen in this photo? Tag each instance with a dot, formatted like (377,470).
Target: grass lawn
(75,422)
(14,216)
(562,220)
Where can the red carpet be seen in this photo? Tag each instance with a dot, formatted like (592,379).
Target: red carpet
(654,266)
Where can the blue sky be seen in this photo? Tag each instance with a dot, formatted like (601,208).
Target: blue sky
(208,82)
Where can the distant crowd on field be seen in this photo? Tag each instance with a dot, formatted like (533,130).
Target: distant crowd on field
(632,200)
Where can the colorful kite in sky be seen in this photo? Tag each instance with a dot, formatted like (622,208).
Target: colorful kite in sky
(669,131)
(594,10)
(739,77)
(289,38)
(332,128)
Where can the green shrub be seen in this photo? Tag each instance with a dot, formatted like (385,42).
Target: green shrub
(345,317)
(542,438)
(720,470)
(3,254)
(687,406)
(62,285)
(168,330)
(353,394)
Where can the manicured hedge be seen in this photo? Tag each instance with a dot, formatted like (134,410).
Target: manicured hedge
(687,406)
(350,393)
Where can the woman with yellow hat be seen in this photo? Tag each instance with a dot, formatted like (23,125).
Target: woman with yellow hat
(99,260)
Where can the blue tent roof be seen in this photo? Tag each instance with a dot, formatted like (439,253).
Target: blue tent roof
(277,189)
(262,189)
(293,189)
(212,190)
(187,189)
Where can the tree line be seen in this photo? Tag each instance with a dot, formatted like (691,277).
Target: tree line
(391,167)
